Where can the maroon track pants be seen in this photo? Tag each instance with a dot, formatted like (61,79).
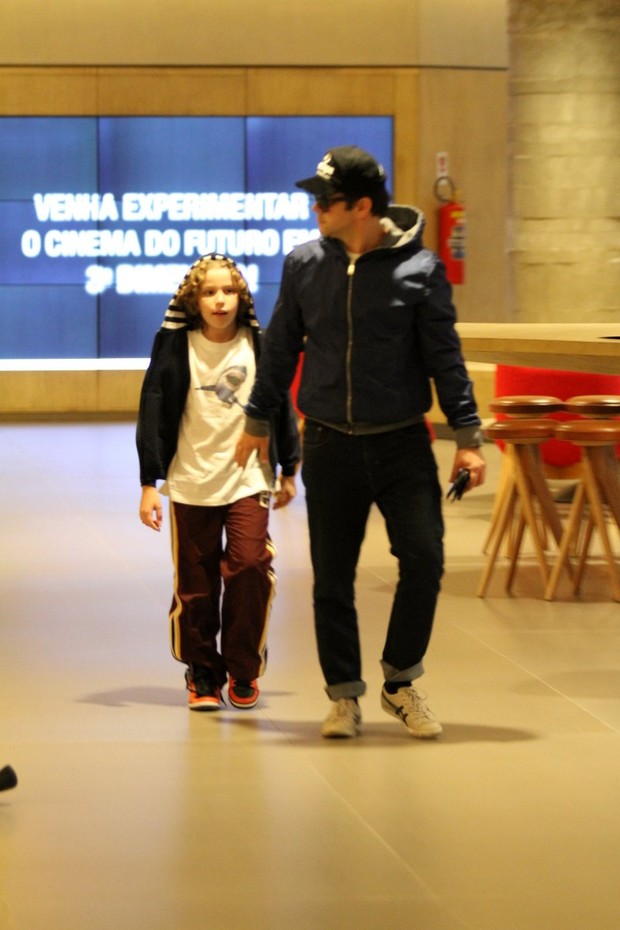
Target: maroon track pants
(223,587)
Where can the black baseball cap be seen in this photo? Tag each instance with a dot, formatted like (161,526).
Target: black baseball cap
(347,170)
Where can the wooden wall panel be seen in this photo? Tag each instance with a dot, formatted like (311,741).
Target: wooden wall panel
(315,91)
(463,111)
(33,392)
(404,185)
(172,91)
(48,91)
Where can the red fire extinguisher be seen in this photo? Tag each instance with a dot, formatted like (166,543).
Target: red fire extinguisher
(452,232)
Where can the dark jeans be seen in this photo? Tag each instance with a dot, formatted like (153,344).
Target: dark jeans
(344,475)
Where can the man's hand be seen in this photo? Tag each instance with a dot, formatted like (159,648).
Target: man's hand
(150,508)
(247,445)
(286,492)
(472,460)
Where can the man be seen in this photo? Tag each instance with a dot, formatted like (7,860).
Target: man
(371,309)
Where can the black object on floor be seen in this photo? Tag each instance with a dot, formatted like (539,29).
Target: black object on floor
(8,778)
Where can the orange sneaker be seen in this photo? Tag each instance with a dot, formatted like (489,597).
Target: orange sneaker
(204,694)
(242,694)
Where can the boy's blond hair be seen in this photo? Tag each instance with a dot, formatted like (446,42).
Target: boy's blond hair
(188,294)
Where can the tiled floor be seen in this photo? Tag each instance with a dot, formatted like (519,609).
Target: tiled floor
(132,813)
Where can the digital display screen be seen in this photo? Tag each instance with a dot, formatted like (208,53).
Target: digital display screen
(100,217)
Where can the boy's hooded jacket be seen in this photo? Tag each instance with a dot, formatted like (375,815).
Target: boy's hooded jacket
(164,393)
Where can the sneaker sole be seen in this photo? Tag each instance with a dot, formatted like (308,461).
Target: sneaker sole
(243,705)
(340,735)
(204,707)
(418,734)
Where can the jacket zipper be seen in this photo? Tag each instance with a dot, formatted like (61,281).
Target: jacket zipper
(349,376)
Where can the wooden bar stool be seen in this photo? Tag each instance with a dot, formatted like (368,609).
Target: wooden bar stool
(598,490)
(526,405)
(515,405)
(526,501)
(600,406)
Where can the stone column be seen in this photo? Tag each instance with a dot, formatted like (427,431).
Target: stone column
(564,239)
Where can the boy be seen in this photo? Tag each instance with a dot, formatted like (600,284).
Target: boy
(201,372)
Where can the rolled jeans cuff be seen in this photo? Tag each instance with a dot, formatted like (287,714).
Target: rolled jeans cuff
(346,689)
(402,674)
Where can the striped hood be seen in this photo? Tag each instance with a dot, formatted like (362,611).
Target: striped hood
(176,316)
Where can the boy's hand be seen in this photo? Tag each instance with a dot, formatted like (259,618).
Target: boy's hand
(150,508)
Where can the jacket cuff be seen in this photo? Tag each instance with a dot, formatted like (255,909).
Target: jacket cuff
(259,428)
(469,437)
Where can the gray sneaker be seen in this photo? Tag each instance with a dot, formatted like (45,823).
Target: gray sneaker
(408,705)
(343,720)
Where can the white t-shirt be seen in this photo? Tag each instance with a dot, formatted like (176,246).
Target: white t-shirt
(203,471)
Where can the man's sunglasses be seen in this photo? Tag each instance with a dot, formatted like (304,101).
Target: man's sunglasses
(325,202)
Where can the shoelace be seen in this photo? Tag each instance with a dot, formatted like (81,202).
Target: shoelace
(413,703)
(243,688)
(341,708)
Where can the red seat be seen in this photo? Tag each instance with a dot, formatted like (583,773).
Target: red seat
(512,379)
(296,383)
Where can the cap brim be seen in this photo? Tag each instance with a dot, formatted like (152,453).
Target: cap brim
(316,186)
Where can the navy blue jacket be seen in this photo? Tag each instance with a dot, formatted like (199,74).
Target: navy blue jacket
(374,334)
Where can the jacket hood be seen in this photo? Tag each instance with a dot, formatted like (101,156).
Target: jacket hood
(404,224)
(176,316)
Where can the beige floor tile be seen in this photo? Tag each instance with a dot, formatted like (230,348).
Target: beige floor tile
(132,813)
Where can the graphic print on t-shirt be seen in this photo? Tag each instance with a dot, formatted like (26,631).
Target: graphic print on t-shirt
(227,385)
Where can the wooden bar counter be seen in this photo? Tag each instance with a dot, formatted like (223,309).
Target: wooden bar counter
(569,346)
(99,390)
